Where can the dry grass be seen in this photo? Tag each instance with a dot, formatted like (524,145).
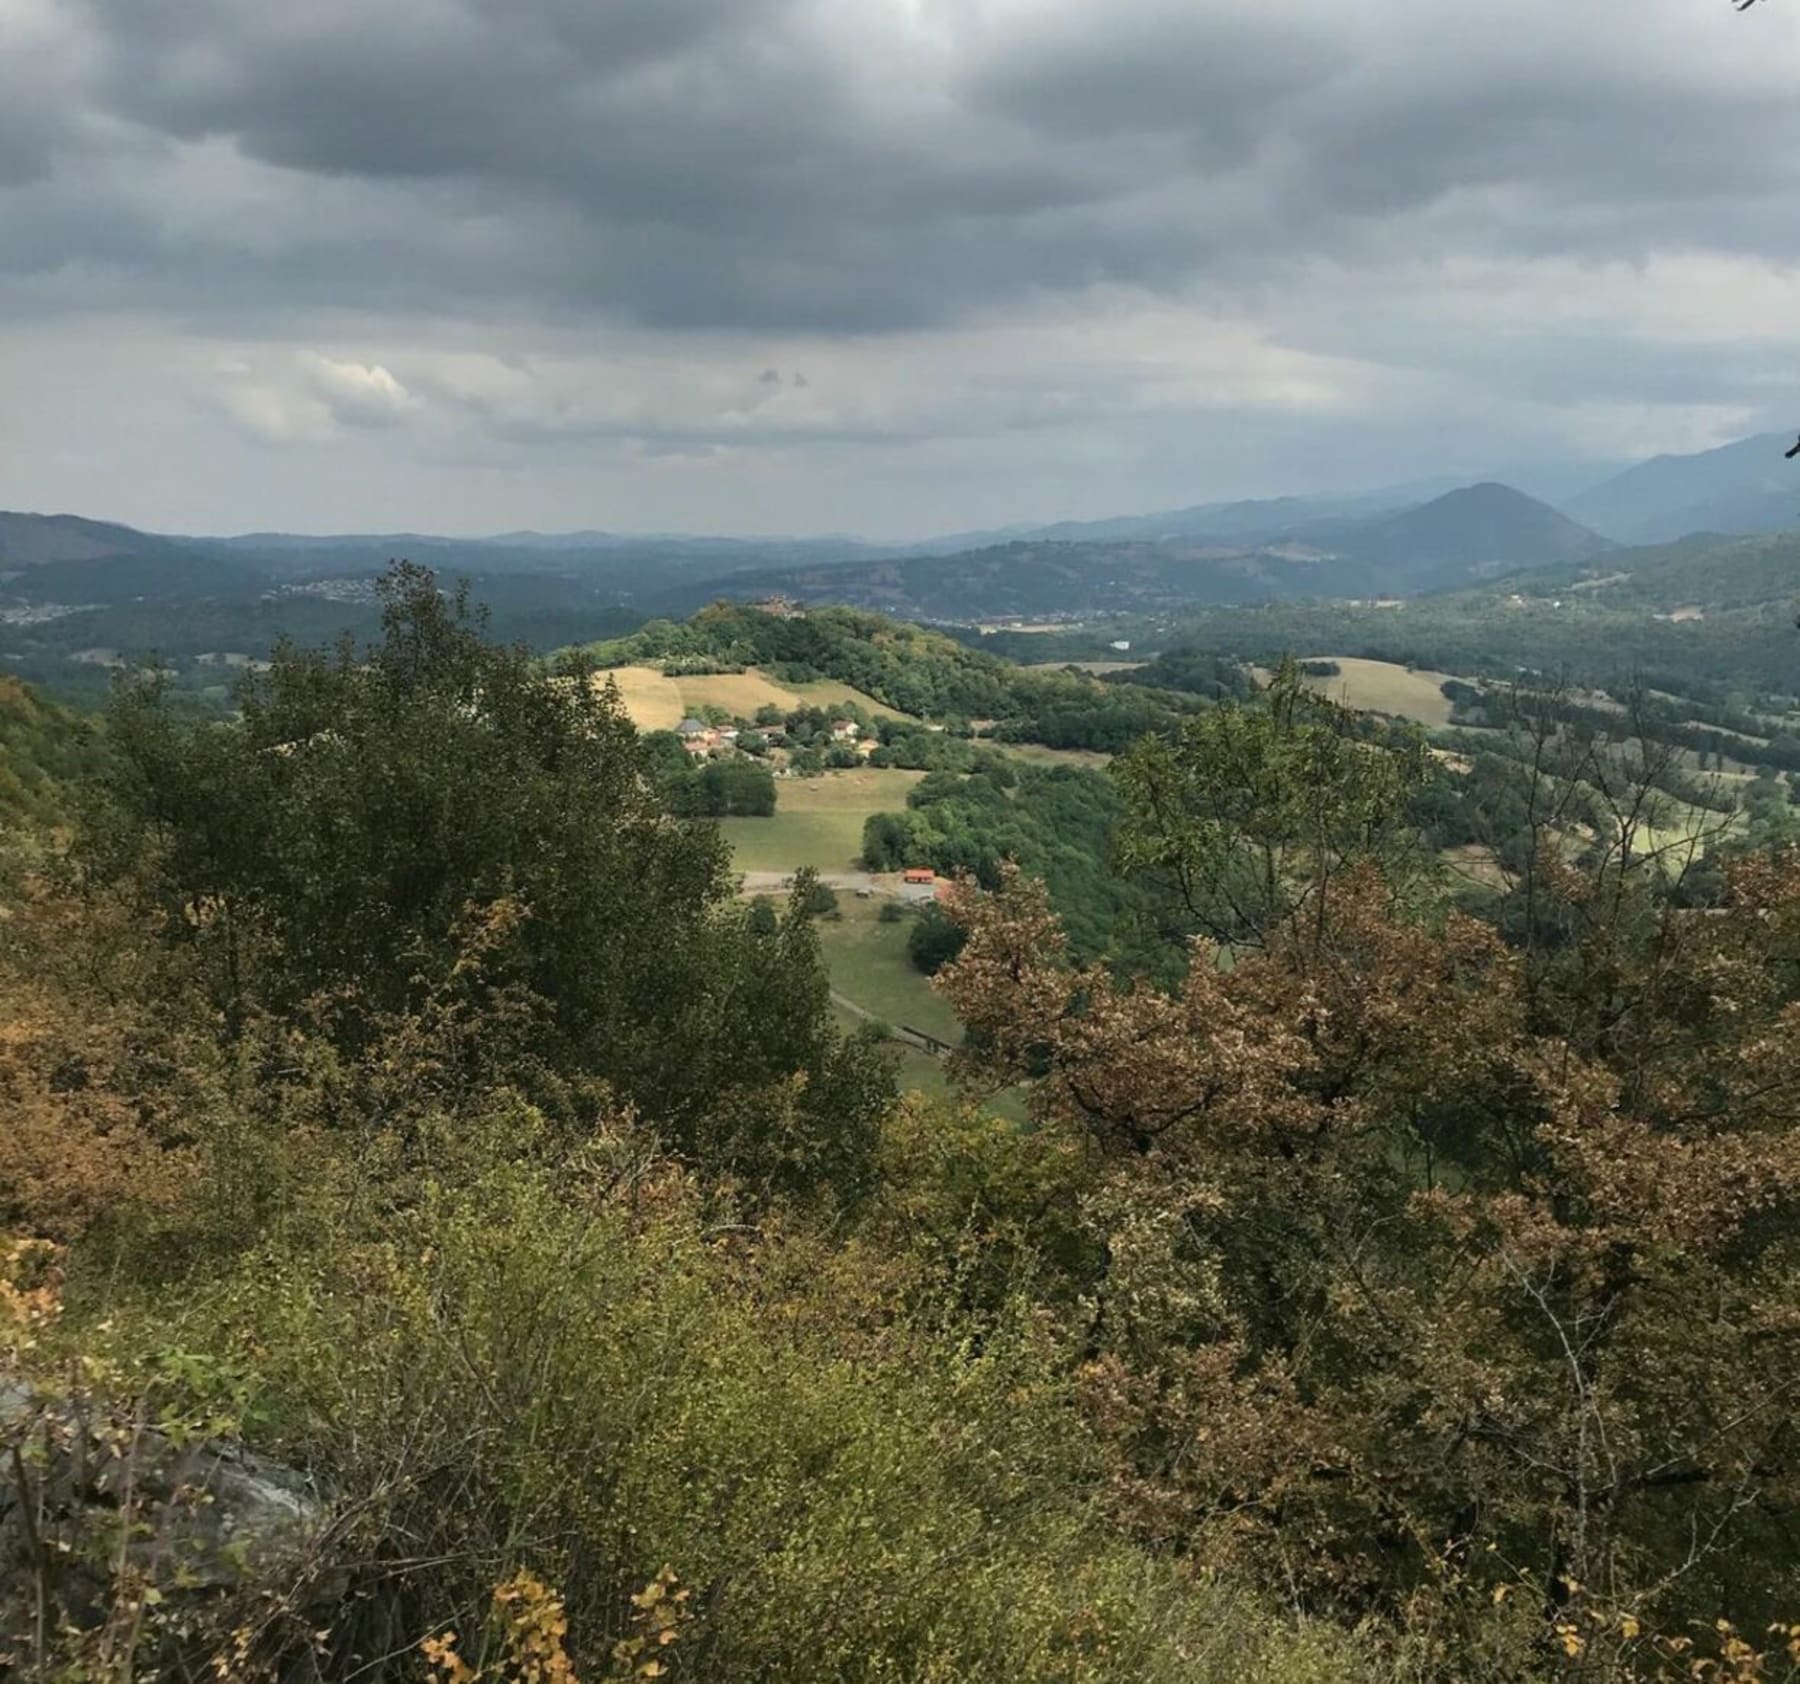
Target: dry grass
(738,693)
(1383,687)
(829,692)
(650,697)
(1038,754)
(818,821)
(658,702)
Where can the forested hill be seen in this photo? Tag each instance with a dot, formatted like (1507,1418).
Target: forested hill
(44,750)
(1705,614)
(29,540)
(907,666)
(1033,578)
(1706,573)
(1467,534)
(924,673)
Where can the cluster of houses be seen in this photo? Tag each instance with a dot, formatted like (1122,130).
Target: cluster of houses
(848,731)
(701,739)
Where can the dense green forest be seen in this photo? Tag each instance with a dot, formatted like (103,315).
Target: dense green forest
(1737,604)
(1055,822)
(1377,1288)
(920,672)
(45,750)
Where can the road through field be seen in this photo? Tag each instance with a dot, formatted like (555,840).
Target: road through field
(851,882)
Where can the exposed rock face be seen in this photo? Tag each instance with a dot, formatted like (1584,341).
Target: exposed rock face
(95,1510)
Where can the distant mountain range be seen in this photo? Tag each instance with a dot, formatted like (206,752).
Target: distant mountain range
(67,558)
(77,593)
(1464,535)
(1738,488)
(1260,518)
(1274,517)
(1219,552)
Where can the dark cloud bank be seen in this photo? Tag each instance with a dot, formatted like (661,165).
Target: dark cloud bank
(726,172)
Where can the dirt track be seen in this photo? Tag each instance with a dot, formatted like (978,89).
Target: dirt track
(847,882)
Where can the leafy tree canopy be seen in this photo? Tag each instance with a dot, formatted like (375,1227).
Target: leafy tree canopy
(331,850)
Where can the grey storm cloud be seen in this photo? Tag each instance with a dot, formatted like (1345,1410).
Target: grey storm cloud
(862,165)
(515,257)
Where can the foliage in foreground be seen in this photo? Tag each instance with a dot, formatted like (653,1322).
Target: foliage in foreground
(538,1381)
(1437,1270)
(43,750)
(434,827)
(1430,1279)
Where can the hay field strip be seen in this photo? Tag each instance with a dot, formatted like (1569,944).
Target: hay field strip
(658,701)
(1384,687)
(817,821)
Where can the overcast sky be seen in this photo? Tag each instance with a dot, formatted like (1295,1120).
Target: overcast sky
(890,266)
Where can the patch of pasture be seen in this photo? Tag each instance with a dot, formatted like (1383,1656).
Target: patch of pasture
(659,701)
(651,697)
(817,821)
(1385,687)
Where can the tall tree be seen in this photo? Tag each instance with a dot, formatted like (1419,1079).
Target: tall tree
(1427,1275)
(1248,814)
(327,853)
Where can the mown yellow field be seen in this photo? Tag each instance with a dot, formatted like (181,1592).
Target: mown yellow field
(657,702)
(817,821)
(1383,687)
(826,692)
(650,697)
(740,693)
(1039,754)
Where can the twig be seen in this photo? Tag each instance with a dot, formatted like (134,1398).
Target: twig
(40,1559)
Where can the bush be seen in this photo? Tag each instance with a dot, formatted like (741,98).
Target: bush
(934,941)
(817,898)
(560,1378)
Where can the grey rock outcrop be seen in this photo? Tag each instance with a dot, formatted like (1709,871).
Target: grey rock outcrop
(94,1508)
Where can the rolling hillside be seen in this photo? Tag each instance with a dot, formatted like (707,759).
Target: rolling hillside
(1713,613)
(1739,488)
(42,748)
(1703,575)
(1468,534)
